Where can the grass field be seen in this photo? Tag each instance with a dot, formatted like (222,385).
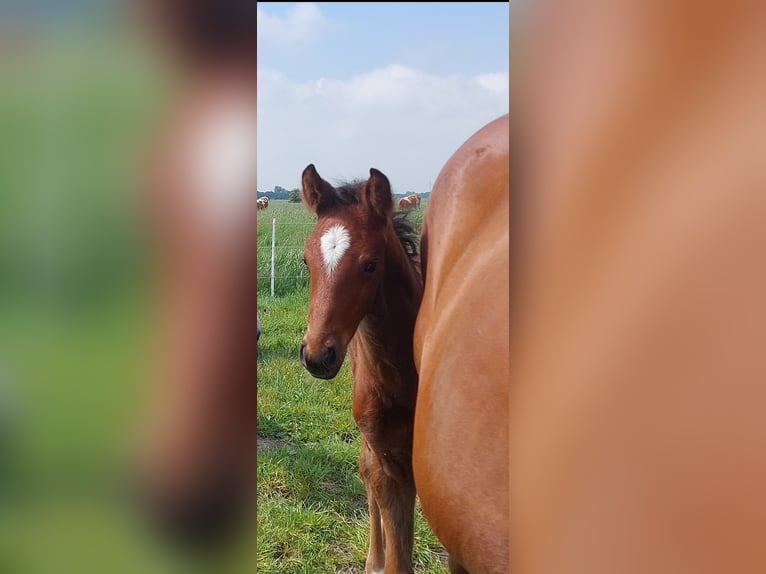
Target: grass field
(293,225)
(312,509)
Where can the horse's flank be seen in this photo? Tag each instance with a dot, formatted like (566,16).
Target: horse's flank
(460,451)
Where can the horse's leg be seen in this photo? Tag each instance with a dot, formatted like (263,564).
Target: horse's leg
(396,498)
(376,556)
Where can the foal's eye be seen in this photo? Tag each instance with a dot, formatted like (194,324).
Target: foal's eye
(369,267)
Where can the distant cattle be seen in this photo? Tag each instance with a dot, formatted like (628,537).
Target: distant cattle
(409,202)
(263,203)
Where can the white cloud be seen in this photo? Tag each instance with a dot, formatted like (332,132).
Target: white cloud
(299,24)
(397,119)
(494,82)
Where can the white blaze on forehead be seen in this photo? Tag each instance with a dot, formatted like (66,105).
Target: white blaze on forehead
(333,244)
(221,162)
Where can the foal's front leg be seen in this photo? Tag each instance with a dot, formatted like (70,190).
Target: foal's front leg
(395,496)
(376,557)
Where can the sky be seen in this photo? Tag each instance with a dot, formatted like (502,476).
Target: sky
(397,86)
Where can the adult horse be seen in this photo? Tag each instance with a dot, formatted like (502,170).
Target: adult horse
(364,294)
(460,449)
(639,324)
(197,471)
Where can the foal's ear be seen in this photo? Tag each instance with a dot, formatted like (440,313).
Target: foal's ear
(316,191)
(377,193)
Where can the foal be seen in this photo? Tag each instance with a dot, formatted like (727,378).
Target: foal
(365,291)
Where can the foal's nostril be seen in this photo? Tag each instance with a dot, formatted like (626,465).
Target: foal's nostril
(302,352)
(330,355)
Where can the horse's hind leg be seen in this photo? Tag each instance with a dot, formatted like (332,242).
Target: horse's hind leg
(375,554)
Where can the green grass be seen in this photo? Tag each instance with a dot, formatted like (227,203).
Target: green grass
(294,223)
(312,508)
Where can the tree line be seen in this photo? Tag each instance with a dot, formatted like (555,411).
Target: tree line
(294,195)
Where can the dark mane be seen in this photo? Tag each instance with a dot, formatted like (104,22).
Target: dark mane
(407,233)
(218,31)
(347,193)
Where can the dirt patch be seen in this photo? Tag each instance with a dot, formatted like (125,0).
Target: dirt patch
(265,442)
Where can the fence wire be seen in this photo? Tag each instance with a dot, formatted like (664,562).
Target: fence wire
(277,254)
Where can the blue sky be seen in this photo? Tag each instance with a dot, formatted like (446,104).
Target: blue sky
(393,85)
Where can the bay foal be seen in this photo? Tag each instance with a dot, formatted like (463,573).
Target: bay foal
(364,296)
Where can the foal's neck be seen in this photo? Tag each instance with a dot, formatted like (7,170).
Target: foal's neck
(391,322)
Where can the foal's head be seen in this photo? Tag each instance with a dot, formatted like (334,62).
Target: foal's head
(345,256)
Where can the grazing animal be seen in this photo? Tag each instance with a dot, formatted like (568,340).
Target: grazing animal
(364,294)
(262,203)
(460,448)
(409,202)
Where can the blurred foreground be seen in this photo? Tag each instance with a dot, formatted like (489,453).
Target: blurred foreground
(79,98)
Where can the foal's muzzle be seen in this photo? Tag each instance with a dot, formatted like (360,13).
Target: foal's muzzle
(324,365)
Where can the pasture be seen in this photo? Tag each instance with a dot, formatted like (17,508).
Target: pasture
(312,509)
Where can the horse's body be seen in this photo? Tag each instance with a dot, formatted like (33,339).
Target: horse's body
(638,422)
(364,295)
(460,452)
